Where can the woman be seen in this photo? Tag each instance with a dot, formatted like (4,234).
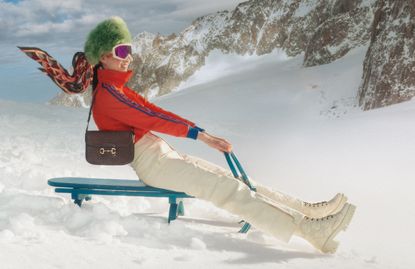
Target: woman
(116,107)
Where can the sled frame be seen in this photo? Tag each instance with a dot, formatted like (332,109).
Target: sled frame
(82,189)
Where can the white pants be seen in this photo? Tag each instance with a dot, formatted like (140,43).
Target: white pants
(159,165)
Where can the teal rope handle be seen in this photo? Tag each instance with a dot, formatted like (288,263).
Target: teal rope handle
(230,158)
(231,166)
(245,177)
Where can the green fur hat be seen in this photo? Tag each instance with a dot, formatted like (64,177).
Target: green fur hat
(104,37)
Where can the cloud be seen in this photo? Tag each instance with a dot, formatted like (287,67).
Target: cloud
(65,24)
(60,27)
(191,9)
(36,18)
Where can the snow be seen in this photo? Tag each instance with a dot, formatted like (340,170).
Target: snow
(142,43)
(303,9)
(153,92)
(293,128)
(220,65)
(165,61)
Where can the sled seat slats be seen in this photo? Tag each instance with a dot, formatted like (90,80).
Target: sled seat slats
(81,190)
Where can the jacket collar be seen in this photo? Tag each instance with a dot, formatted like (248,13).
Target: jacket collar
(115,78)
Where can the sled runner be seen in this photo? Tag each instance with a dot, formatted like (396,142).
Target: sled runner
(82,188)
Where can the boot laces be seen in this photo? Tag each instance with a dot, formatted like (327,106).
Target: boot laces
(319,219)
(324,203)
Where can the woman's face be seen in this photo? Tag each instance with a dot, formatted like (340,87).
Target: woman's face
(109,62)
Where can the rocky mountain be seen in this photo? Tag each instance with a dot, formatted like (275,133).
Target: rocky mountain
(389,66)
(73,100)
(322,30)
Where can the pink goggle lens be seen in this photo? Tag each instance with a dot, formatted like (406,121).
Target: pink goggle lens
(122,51)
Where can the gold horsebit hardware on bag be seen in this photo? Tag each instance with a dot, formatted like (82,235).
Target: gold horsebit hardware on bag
(113,151)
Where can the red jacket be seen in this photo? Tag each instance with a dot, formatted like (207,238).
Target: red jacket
(118,108)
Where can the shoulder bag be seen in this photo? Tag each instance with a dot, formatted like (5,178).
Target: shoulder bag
(108,147)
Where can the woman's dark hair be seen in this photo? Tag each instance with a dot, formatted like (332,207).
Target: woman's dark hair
(95,77)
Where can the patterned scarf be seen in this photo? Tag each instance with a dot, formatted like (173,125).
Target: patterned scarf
(81,76)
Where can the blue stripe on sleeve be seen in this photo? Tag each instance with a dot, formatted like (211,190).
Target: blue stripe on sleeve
(124,99)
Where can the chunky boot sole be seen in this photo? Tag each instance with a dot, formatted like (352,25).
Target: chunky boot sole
(330,246)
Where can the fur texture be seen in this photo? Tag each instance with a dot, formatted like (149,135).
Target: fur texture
(104,37)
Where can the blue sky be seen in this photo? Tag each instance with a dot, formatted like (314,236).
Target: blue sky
(60,28)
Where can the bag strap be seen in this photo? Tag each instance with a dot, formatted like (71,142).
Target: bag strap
(90,109)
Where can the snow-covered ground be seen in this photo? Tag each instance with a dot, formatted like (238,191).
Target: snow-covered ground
(295,129)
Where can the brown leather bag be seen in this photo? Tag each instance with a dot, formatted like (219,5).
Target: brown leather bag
(108,147)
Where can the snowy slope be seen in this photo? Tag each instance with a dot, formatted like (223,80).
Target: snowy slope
(293,128)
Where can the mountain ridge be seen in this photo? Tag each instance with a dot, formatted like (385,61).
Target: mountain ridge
(324,31)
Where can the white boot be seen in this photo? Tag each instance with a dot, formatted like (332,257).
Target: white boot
(325,208)
(320,232)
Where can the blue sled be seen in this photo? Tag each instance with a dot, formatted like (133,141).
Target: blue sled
(82,188)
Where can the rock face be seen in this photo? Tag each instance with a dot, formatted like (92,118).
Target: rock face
(346,27)
(324,30)
(389,66)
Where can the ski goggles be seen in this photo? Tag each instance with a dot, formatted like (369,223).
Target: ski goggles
(121,51)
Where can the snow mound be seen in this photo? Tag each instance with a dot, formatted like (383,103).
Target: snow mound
(294,129)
